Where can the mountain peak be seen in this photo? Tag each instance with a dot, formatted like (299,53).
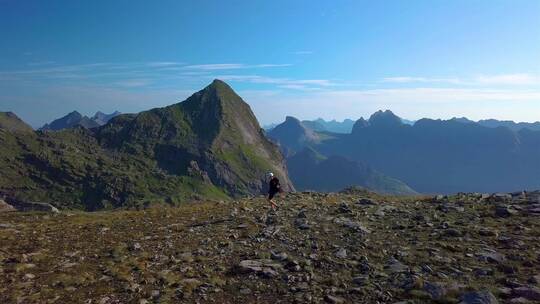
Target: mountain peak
(385,119)
(71,120)
(11,122)
(213,127)
(220,86)
(74,114)
(360,124)
(292,119)
(293,134)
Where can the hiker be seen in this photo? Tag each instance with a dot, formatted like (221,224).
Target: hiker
(273,189)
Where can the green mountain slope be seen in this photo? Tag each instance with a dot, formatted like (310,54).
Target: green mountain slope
(11,122)
(209,146)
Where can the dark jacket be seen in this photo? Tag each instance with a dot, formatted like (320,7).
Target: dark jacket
(274,186)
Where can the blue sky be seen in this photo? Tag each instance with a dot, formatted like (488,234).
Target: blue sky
(329,59)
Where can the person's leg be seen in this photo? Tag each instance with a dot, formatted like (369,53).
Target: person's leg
(271,200)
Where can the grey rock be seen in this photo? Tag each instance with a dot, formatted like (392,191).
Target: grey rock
(134,247)
(23,205)
(530,293)
(367,201)
(504,211)
(334,299)
(341,253)
(282,256)
(535,279)
(487,232)
(478,297)
(263,267)
(271,219)
(491,257)
(452,232)
(6,226)
(436,290)
(293,265)
(5,207)
(346,222)
(301,223)
(344,208)
(395,266)
(360,280)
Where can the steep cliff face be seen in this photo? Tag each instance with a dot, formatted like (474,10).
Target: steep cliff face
(214,130)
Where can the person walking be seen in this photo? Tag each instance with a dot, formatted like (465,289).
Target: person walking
(273,188)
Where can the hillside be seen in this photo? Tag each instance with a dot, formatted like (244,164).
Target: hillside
(438,156)
(209,146)
(292,135)
(333,126)
(350,247)
(12,123)
(310,170)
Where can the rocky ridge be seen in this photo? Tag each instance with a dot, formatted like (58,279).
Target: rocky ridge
(348,247)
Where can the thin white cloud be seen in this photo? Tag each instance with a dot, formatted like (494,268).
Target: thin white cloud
(40,63)
(133,83)
(409,79)
(232,66)
(411,103)
(164,64)
(508,79)
(283,82)
(519,79)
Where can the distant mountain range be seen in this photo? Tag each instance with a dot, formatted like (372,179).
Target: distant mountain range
(320,124)
(310,170)
(75,118)
(330,126)
(437,156)
(346,126)
(516,126)
(209,146)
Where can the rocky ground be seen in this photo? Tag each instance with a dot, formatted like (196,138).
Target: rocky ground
(350,247)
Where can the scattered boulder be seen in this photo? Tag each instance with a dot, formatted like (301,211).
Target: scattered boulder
(301,223)
(282,256)
(344,208)
(5,207)
(23,205)
(535,279)
(367,202)
(334,299)
(395,266)
(478,297)
(491,257)
(267,268)
(505,211)
(452,232)
(341,253)
(346,222)
(435,290)
(529,293)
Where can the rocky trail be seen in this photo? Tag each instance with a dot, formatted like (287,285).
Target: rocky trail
(349,247)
